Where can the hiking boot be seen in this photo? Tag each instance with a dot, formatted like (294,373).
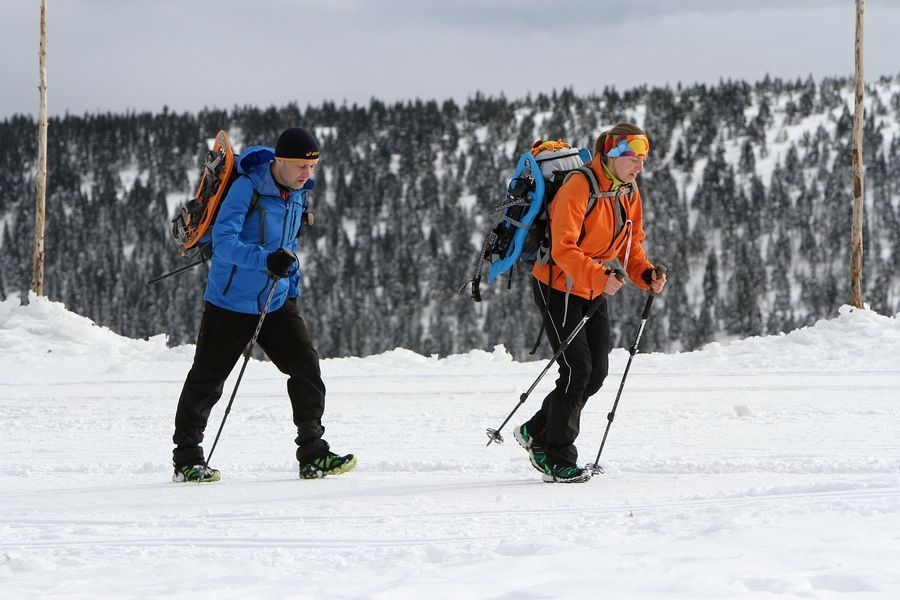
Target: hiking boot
(330,464)
(536,453)
(566,474)
(197,473)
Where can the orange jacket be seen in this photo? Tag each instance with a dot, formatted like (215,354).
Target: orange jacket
(580,262)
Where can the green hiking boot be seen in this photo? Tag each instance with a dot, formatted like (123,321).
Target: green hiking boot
(197,474)
(566,474)
(330,464)
(536,453)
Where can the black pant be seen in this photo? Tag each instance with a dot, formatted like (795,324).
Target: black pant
(582,368)
(223,337)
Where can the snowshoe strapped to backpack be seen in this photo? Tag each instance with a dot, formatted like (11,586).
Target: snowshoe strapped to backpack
(521,230)
(193,221)
(192,225)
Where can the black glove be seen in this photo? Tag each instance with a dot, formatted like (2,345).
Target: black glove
(280,262)
(647,276)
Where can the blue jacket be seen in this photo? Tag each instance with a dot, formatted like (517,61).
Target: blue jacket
(238,279)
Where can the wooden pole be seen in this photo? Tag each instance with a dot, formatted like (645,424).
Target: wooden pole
(856,230)
(40,198)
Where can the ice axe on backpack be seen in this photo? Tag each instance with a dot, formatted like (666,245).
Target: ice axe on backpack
(595,467)
(494,434)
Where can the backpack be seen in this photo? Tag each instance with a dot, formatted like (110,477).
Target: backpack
(191,226)
(521,233)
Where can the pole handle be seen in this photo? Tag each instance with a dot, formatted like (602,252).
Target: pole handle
(661,270)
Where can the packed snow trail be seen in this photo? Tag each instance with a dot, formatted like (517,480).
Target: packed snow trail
(768,467)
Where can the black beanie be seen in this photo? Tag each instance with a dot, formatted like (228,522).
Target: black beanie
(297,142)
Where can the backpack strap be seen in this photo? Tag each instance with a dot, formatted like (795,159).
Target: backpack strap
(592,180)
(253,200)
(627,191)
(592,199)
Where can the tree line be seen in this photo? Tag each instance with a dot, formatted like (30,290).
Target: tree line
(747,200)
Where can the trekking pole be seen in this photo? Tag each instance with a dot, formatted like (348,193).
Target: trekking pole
(176,271)
(205,252)
(494,434)
(595,468)
(244,366)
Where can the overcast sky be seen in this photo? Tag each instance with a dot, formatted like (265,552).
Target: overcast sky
(120,55)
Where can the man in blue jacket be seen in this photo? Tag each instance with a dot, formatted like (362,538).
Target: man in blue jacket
(254,248)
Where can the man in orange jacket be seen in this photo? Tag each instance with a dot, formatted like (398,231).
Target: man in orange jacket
(565,288)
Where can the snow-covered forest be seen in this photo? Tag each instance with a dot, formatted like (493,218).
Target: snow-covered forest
(747,200)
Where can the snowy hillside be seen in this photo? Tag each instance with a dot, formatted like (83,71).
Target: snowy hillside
(746,198)
(765,468)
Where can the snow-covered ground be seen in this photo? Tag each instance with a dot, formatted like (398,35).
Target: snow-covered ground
(766,468)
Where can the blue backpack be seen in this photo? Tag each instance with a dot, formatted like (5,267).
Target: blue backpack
(521,232)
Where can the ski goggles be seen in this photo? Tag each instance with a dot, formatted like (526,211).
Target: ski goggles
(627,145)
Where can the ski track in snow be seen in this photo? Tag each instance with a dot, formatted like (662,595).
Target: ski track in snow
(766,468)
